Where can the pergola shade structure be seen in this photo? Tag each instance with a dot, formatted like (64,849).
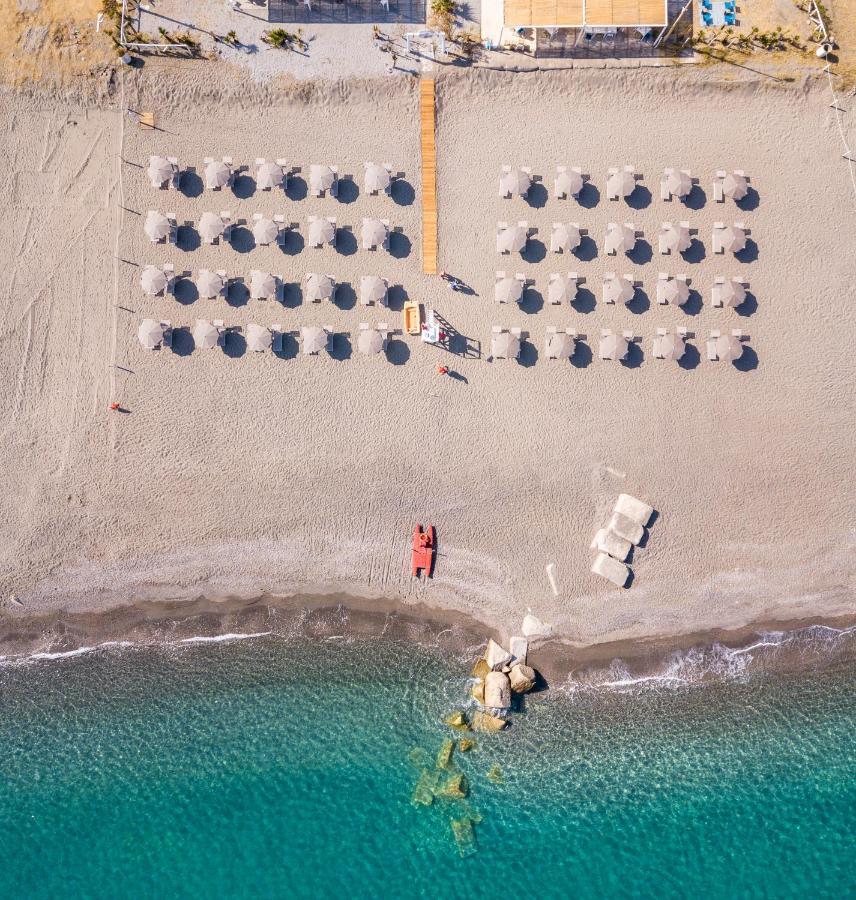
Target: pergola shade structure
(576,13)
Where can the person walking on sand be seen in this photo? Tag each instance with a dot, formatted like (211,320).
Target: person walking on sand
(442,370)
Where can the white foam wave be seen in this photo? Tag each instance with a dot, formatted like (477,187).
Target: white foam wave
(220,638)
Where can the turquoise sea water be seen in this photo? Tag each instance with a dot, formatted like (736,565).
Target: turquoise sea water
(280,768)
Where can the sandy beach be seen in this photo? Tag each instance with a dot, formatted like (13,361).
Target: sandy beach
(240,474)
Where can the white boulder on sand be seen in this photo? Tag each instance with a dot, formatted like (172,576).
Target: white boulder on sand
(626,528)
(607,541)
(497,691)
(496,656)
(522,678)
(611,569)
(634,509)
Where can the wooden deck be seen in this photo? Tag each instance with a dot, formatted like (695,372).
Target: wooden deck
(429,177)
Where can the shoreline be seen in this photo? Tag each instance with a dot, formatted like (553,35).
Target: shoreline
(327,616)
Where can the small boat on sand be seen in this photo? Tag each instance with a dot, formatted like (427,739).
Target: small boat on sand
(422,555)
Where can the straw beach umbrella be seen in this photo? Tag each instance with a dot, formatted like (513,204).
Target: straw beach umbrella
(265,231)
(205,335)
(679,183)
(319,287)
(314,339)
(372,289)
(617,290)
(622,183)
(153,280)
(157,226)
(262,285)
(259,338)
(511,239)
(515,183)
(211,227)
(732,292)
(734,239)
(619,238)
(209,284)
(377,179)
(728,347)
(321,178)
(508,290)
(370,341)
(269,176)
(321,231)
(614,346)
(735,186)
(160,169)
(217,174)
(150,333)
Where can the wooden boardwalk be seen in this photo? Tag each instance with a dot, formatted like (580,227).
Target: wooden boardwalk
(429,177)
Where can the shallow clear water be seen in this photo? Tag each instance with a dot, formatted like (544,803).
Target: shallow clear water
(274,767)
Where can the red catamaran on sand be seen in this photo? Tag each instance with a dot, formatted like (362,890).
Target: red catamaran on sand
(423,550)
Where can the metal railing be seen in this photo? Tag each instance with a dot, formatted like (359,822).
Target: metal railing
(140,45)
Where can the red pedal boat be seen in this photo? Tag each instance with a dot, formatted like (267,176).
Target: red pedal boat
(423,550)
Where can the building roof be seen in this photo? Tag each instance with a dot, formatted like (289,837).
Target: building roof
(575,13)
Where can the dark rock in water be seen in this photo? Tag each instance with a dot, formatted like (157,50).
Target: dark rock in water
(444,757)
(465,836)
(478,692)
(418,757)
(481,668)
(426,787)
(466,744)
(522,679)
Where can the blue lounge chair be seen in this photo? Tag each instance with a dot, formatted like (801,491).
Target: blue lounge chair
(707,18)
(729,19)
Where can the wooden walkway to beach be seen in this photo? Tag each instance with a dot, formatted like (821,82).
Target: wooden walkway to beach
(429,177)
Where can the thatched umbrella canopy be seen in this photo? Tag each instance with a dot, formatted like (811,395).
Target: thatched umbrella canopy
(511,239)
(217,174)
(617,290)
(262,285)
(259,338)
(372,289)
(619,238)
(508,290)
(157,225)
(319,287)
(622,183)
(153,280)
(269,176)
(150,333)
(516,183)
(735,186)
(211,226)
(208,283)
(377,178)
(265,231)
(205,335)
(314,339)
(569,182)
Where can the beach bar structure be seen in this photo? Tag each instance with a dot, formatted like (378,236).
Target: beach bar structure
(532,25)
